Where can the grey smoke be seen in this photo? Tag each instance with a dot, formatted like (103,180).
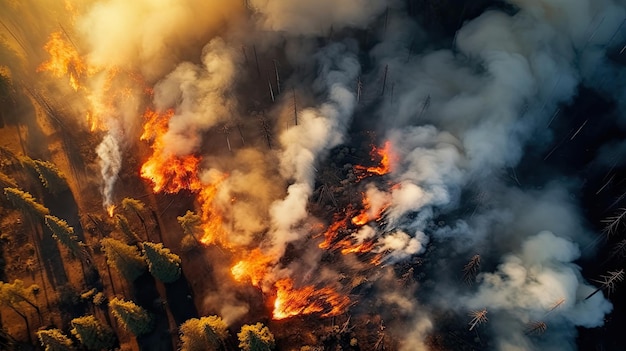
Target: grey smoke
(110,161)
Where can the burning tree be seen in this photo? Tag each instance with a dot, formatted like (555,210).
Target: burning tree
(25,202)
(51,177)
(54,340)
(162,264)
(255,337)
(132,317)
(206,333)
(92,333)
(123,258)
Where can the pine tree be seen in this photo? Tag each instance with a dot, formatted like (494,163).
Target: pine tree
(255,337)
(25,202)
(14,294)
(190,223)
(163,265)
(123,225)
(132,317)
(64,234)
(6,181)
(123,258)
(54,340)
(137,207)
(204,334)
(93,334)
(51,177)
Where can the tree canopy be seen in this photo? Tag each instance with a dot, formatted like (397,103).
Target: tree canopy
(54,340)
(25,202)
(63,233)
(132,317)
(204,334)
(255,337)
(92,333)
(123,258)
(163,265)
(122,224)
(51,177)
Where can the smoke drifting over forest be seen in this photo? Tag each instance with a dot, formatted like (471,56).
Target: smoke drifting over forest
(323,140)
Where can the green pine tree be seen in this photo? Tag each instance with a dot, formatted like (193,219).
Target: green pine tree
(54,340)
(25,202)
(93,334)
(256,337)
(122,224)
(133,318)
(163,265)
(64,234)
(123,258)
(204,334)
(51,177)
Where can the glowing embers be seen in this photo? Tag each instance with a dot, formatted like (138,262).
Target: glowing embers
(385,157)
(64,60)
(168,173)
(292,301)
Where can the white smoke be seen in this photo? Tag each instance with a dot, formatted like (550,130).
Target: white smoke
(110,161)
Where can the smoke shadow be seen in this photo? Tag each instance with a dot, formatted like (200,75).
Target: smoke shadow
(146,295)
(180,300)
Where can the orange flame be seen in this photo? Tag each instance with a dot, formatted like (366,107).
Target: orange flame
(253,268)
(386,156)
(211,218)
(111,210)
(167,172)
(64,60)
(307,300)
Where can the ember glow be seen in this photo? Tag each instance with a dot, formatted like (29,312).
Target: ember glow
(385,158)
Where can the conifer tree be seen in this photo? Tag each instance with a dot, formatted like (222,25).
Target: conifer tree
(255,337)
(162,264)
(122,224)
(190,223)
(51,177)
(6,181)
(25,202)
(92,333)
(132,317)
(204,334)
(54,340)
(64,234)
(137,207)
(123,258)
(14,294)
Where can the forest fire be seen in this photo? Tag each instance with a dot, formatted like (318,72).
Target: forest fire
(64,60)
(254,267)
(168,173)
(213,232)
(292,301)
(386,157)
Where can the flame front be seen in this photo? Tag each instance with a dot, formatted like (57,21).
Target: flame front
(254,267)
(292,301)
(167,172)
(64,60)
(386,156)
